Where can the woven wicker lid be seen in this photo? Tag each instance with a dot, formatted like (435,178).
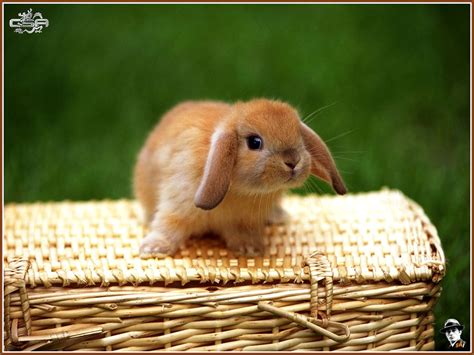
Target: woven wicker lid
(377,236)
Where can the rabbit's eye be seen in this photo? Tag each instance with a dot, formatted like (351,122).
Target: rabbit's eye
(254,142)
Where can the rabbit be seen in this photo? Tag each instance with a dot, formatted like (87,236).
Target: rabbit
(215,167)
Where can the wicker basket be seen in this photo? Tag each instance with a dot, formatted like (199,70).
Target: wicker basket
(359,272)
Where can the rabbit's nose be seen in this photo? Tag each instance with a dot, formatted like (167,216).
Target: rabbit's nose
(291,158)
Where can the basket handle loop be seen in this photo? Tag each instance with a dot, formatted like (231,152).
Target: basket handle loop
(319,269)
(314,324)
(14,281)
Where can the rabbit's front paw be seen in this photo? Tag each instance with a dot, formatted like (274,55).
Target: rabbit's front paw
(156,245)
(246,245)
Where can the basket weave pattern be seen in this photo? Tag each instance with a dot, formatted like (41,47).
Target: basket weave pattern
(348,273)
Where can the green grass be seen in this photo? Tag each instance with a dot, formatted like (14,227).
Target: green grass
(81,97)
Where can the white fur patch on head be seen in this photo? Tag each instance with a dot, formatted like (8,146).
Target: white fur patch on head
(218,133)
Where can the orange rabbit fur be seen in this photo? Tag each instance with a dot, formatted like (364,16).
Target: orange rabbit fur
(214,167)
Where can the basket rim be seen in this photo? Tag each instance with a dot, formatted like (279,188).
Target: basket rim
(428,265)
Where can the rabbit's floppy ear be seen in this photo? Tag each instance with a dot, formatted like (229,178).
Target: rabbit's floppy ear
(322,163)
(218,169)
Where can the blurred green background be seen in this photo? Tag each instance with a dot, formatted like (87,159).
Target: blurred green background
(81,97)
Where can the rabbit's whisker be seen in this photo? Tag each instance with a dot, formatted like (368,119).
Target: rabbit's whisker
(315,113)
(339,136)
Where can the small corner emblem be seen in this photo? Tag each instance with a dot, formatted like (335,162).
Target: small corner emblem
(29,22)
